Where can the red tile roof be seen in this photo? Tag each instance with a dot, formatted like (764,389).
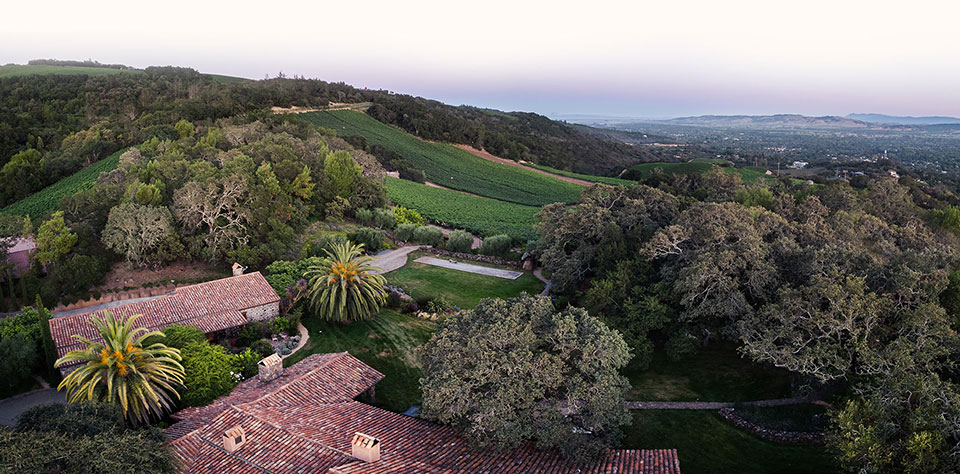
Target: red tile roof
(211,306)
(304,421)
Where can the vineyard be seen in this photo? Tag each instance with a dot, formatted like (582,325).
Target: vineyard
(450,166)
(47,199)
(448,208)
(586,177)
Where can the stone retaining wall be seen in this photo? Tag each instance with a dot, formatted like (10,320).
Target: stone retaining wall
(776,436)
(110,296)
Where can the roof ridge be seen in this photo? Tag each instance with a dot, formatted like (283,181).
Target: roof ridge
(338,355)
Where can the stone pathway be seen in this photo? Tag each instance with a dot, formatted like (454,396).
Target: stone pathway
(393,259)
(470,268)
(538,272)
(304,337)
(717,405)
(11,408)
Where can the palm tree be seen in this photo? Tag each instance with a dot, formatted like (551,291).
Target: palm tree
(120,370)
(343,286)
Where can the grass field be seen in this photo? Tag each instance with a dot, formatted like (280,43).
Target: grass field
(716,373)
(586,177)
(386,343)
(707,444)
(482,216)
(750,174)
(450,166)
(11,70)
(459,288)
(48,198)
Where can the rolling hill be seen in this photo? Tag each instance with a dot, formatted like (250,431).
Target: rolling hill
(450,166)
(779,121)
(904,120)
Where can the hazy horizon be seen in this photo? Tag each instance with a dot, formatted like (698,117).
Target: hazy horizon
(686,58)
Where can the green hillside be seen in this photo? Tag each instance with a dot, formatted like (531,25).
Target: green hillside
(750,174)
(482,216)
(11,70)
(47,199)
(586,177)
(450,166)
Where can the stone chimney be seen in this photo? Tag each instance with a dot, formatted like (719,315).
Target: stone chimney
(270,367)
(234,438)
(365,447)
(238,269)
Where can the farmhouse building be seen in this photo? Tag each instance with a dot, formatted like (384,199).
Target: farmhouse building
(213,307)
(19,251)
(306,421)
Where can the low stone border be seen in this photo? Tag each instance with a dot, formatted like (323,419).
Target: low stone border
(775,436)
(304,337)
(476,258)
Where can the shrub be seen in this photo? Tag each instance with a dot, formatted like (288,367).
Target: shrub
(372,239)
(384,218)
(287,322)
(437,304)
(210,372)
(317,247)
(407,216)
(394,300)
(262,347)
(404,232)
(428,235)
(460,241)
(498,245)
(253,331)
(364,217)
(18,358)
(411,307)
(179,336)
(283,274)
(247,363)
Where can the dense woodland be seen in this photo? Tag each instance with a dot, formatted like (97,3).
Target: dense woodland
(853,290)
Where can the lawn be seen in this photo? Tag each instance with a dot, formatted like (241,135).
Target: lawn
(450,166)
(480,215)
(717,373)
(387,343)
(708,444)
(48,199)
(459,288)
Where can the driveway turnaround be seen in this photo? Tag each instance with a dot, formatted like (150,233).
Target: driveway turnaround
(466,267)
(11,408)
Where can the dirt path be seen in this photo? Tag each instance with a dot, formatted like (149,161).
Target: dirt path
(440,186)
(496,159)
(718,405)
(361,106)
(538,272)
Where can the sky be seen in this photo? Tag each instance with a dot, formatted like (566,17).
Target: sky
(599,57)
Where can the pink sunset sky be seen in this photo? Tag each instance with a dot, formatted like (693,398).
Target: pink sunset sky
(640,59)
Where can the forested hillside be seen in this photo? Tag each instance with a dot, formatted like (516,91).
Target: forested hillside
(51,125)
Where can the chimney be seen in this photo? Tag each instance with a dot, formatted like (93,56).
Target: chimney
(270,367)
(238,269)
(234,438)
(365,447)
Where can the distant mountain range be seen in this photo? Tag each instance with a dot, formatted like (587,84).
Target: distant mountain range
(903,120)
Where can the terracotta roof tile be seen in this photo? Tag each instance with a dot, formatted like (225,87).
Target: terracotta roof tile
(210,306)
(307,417)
